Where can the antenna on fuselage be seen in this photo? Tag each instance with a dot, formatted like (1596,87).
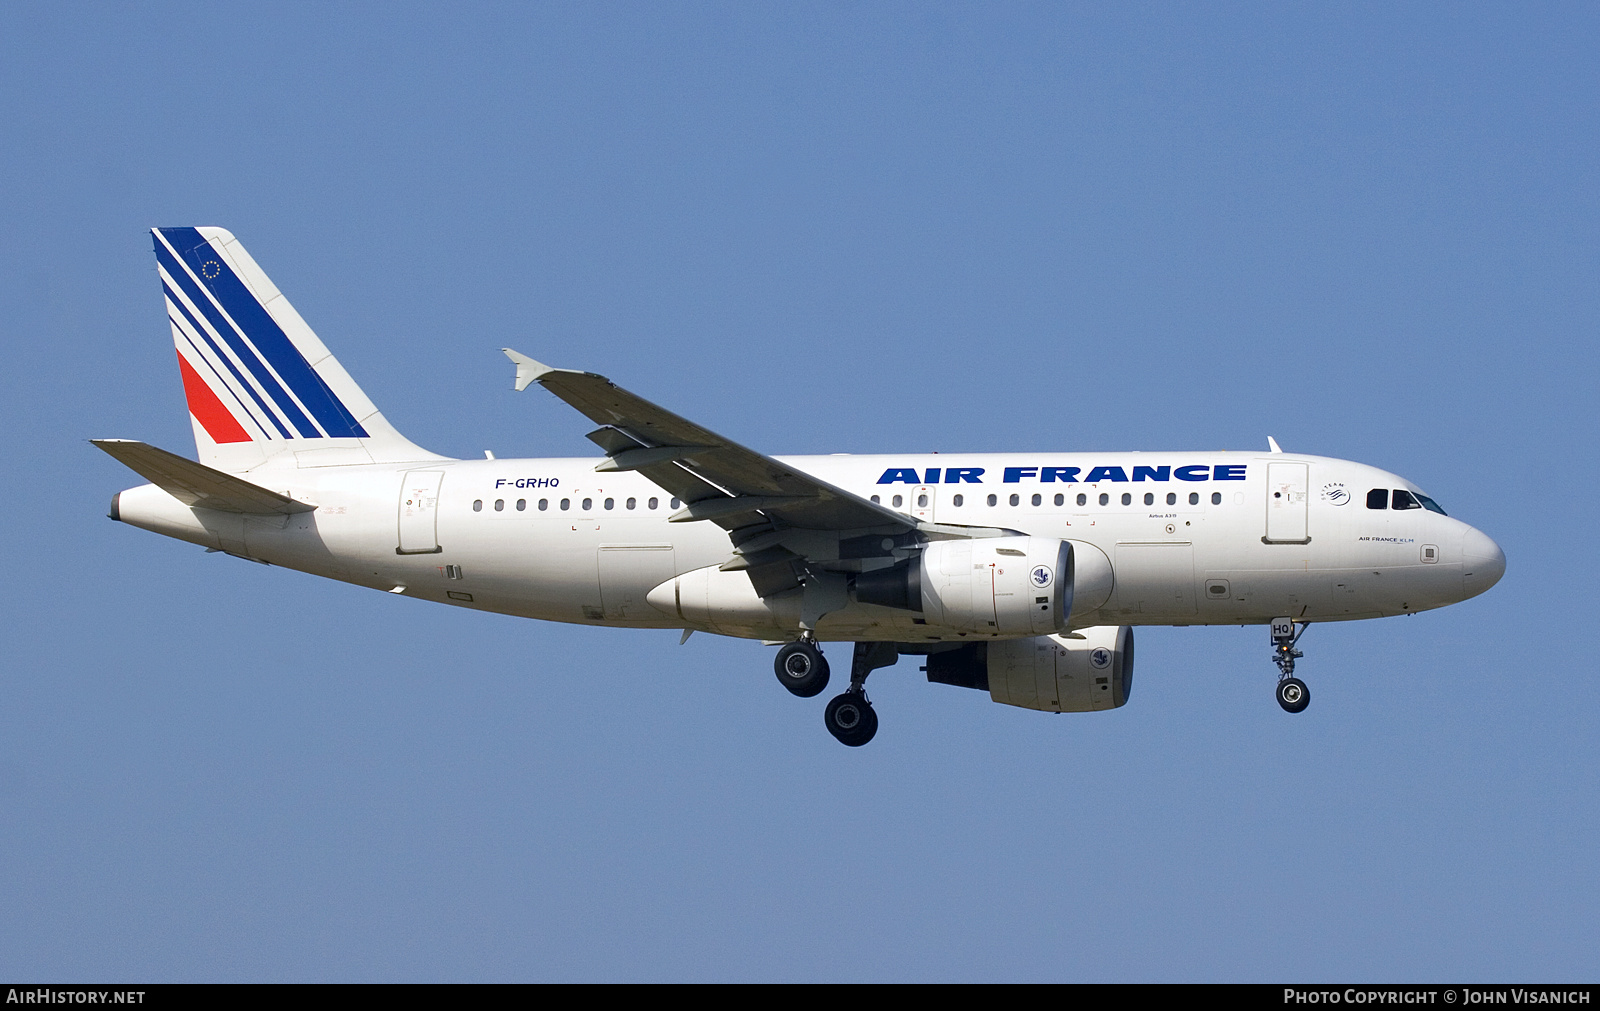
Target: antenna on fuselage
(1272,445)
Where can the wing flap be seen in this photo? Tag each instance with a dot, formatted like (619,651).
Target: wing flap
(195,484)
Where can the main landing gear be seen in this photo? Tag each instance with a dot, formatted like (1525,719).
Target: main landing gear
(849,717)
(802,668)
(1293,695)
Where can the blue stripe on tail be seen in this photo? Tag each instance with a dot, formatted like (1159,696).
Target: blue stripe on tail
(274,345)
(227,362)
(280,396)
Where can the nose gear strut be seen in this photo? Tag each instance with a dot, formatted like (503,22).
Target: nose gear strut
(1293,695)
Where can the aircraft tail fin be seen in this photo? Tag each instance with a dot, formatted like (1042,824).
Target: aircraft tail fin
(259,382)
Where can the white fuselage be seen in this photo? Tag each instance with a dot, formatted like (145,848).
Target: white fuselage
(1191,538)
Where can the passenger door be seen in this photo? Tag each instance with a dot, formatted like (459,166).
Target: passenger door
(419,512)
(1287,503)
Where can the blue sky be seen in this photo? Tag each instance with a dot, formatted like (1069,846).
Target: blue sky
(815,228)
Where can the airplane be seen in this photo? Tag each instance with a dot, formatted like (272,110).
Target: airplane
(1019,574)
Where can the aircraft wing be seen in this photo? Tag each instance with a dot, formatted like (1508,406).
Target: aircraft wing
(195,484)
(766,506)
(715,477)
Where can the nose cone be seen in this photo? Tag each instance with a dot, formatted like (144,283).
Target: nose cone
(1482,562)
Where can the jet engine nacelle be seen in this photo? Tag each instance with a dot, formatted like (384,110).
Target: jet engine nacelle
(999,585)
(993,585)
(1005,586)
(1091,670)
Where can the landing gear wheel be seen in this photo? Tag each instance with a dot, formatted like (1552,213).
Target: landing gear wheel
(1293,695)
(802,669)
(850,719)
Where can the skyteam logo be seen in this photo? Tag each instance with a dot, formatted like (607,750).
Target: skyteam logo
(1100,657)
(1042,576)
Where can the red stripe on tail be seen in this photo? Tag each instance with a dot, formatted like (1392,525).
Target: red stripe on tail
(207,409)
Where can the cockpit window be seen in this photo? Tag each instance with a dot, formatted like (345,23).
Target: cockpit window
(1399,498)
(1430,505)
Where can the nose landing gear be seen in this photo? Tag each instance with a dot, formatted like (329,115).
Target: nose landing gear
(1293,695)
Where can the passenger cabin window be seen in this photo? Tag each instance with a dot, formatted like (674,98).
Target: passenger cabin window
(1216,498)
(675,502)
(1149,498)
(1060,499)
(566,504)
(522,505)
(1403,500)
(896,501)
(1127,498)
(1083,499)
(633,503)
(1378,498)
(1015,500)
(1172,498)
(958,500)
(1194,498)
(655,503)
(1038,499)
(993,500)
(875,499)
(477,505)
(544,504)
(1105,499)
(588,504)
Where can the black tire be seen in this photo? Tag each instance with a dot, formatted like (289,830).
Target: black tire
(1293,695)
(850,719)
(802,669)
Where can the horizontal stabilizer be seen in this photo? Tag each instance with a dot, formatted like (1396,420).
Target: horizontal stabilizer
(195,484)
